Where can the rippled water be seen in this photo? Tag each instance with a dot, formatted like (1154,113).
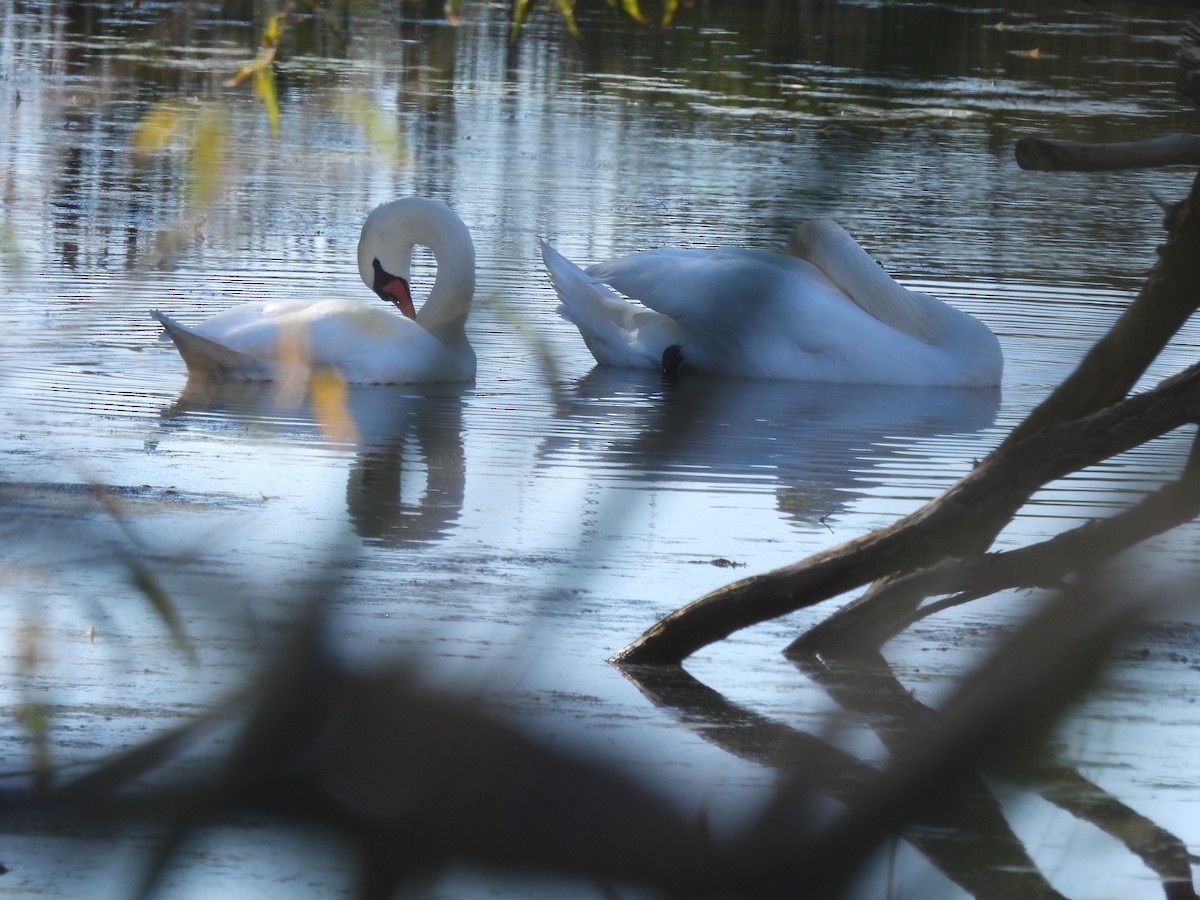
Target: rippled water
(513,533)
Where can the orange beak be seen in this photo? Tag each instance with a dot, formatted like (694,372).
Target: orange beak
(395,290)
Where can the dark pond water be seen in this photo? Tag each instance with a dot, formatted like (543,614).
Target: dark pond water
(508,536)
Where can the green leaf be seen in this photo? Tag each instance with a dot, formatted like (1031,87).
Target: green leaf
(631,9)
(566,9)
(519,14)
(264,89)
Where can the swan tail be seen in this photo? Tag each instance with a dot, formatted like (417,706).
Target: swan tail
(617,332)
(204,356)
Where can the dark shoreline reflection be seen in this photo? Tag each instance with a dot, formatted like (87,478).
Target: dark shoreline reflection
(408,476)
(810,442)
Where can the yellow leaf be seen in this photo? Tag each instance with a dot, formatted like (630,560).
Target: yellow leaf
(264,88)
(381,132)
(241,75)
(207,159)
(292,368)
(156,128)
(274,28)
(632,10)
(519,13)
(327,393)
(566,9)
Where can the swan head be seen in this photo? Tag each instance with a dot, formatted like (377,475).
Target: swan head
(385,251)
(392,288)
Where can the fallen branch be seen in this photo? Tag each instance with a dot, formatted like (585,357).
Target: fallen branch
(890,607)
(1113,366)
(971,511)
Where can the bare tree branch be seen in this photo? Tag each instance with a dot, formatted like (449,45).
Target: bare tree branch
(891,606)
(1113,366)
(971,511)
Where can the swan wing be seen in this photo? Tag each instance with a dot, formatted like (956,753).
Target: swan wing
(834,316)
(729,295)
(366,344)
(618,332)
(205,356)
(762,314)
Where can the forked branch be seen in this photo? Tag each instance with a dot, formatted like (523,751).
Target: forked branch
(972,510)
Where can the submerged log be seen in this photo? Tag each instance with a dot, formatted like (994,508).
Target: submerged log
(1045,154)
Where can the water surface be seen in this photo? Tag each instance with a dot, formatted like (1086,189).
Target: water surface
(509,535)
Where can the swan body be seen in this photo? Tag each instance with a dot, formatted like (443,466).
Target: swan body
(366,344)
(823,310)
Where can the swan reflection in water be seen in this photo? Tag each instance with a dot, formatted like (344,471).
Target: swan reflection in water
(808,442)
(407,478)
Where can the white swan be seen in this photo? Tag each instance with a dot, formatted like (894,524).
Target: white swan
(365,343)
(822,311)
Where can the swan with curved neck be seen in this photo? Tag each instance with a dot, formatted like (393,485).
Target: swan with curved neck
(823,310)
(364,343)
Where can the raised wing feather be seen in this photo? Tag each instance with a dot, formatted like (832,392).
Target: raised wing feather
(712,287)
(735,303)
(618,332)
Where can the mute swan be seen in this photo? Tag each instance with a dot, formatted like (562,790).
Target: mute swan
(365,343)
(822,311)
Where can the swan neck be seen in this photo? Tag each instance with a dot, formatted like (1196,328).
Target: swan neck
(828,246)
(389,235)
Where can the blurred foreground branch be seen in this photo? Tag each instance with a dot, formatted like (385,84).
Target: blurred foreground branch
(931,792)
(408,778)
(412,781)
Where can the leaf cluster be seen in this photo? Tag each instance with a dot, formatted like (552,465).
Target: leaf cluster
(630,10)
